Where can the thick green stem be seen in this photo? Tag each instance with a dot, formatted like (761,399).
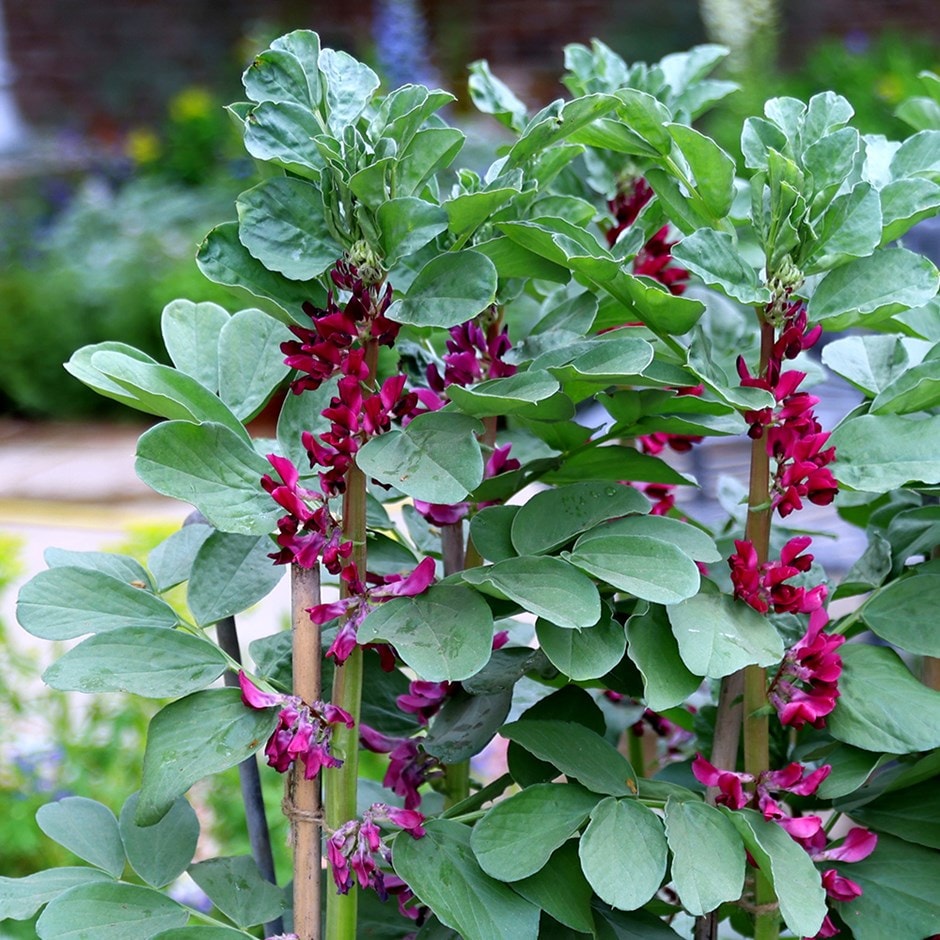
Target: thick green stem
(756,724)
(342,783)
(303,796)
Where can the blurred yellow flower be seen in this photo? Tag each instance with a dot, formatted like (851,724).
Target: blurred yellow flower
(890,88)
(191,104)
(142,145)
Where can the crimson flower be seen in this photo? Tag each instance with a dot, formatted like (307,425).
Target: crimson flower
(357,847)
(763,586)
(409,765)
(805,688)
(303,731)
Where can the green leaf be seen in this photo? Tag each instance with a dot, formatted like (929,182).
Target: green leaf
(429,151)
(21,898)
(505,396)
(849,228)
(870,363)
(561,890)
(916,389)
(917,156)
(905,613)
(903,717)
(192,738)
(787,866)
(545,586)
(870,289)
(87,829)
(442,871)
(583,654)
(614,462)
(230,573)
(160,853)
(654,649)
(638,925)
(851,767)
(492,96)
(201,933)
(149,661)
(899,892)
(912,814)
(468,211)
(191,336)
(553,517)
(281,222)
(448,290)
(224,259)
(541,817)
(160,390)
(122,567)
(212,468)
(349,86)
(623,853)
(556,122)
(446,633)
(238,890)
(714,257)
(407,225)
(287,71)
(251,364)
(712,168)
(904,203)
(697,832)
(688,538)
(645,567)
(109,912)
(63,603)
(170,562)
(577,752)
(436,458)
(490,530)
(645,116)
(466,724)
(718,635)
(283,133)
(880,453)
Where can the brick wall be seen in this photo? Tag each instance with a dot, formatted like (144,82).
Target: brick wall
(102,64)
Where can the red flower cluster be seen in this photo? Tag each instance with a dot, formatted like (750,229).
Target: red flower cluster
(764,586)
(655,258)
(319,352)
(808,831)
(303,731)
(805,688)
(472,356)
(794,437)
(409,766)
(357,848)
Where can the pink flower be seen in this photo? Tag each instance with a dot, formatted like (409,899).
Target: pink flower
(424,698)
(303,731)
(357,847)
(765,586)
(805,688)
(409,766)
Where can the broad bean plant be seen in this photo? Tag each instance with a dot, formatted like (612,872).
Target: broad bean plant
(480,371)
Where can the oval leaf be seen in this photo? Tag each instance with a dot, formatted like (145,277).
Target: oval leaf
(147,661)
(86,828)
(160,853)
(448,290)
(443,872)
(444,634)
(109,912)
(623,853)
(196,736)
(541,817)
(67,602)
(583,654)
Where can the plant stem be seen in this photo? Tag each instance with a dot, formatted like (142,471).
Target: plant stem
(756,724)
(342,783)
(303,796)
